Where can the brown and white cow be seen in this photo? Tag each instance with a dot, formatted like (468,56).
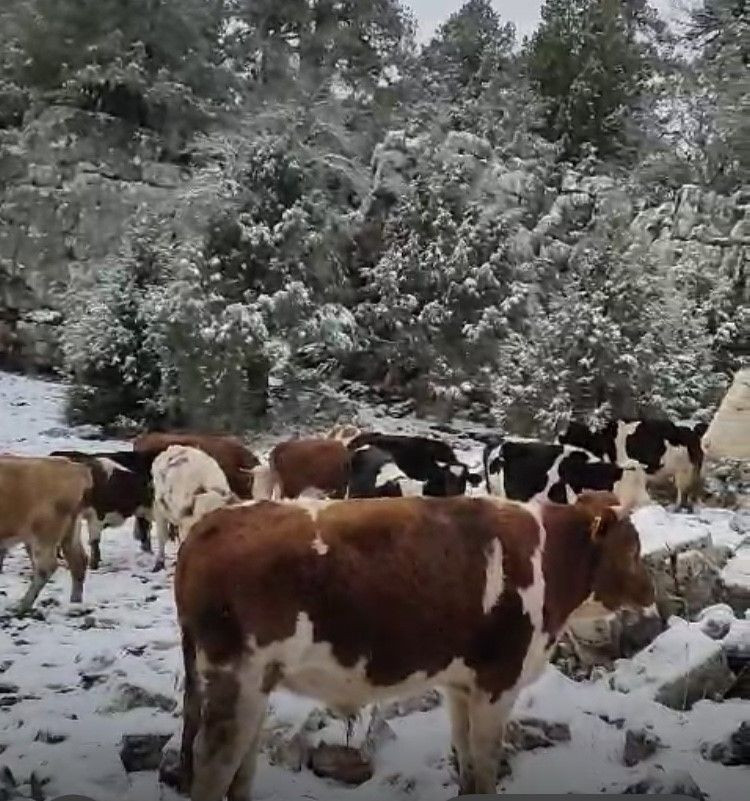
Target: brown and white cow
(314,466)
(121,489)
(41,499)
(187,484)
(352,602)
(233,456)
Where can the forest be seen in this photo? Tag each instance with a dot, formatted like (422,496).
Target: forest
(511,231)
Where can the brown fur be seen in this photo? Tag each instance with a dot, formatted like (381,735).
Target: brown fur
(41,499)
(397,585)
(231,454)
(301,464)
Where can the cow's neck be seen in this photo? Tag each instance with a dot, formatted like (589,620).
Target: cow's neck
(569,562)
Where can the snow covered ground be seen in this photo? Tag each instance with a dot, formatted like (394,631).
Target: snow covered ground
(72,684)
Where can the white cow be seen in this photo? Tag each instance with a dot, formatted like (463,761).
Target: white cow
(188,484)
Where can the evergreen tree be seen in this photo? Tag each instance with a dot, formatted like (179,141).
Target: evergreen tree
(589,68)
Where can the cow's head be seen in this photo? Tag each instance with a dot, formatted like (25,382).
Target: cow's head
(620,578)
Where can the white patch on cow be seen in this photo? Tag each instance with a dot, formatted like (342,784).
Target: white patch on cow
(312,505)
(494,576)
(532,598)
(410,487)
(110,466)
(320,547)
(496,480)
(631,488)
(262,482)
(624,430)
(457,470)
(570,496)
(388,472)
(310,669)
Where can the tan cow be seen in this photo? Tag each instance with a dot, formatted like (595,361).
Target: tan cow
(355,601)
(41,499)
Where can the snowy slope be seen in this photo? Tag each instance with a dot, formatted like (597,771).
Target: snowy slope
(67,675)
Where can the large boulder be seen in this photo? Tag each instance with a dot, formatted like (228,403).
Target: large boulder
(680,667)
(735,581)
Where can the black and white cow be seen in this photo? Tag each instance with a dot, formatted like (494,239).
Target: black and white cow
(429,461)
(666,451)
(121,489)
(525,470)
(374,474)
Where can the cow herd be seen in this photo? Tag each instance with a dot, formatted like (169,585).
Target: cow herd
(351,567)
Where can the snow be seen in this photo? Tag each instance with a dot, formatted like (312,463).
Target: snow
(679,662)
(70,667)
(662,532)
(736,572)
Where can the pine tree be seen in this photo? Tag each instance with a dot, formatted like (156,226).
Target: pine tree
(590,69)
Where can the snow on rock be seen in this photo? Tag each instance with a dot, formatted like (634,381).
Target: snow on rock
(734,750)
(663,533)
(657,782)
(681,666)
(716,621)
(735,579)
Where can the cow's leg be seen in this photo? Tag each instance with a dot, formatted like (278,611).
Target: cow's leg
(486,731)
(224,751)
(95,535)
(458,706)
(162,535)
(683,481)
(75,557)
(142,532)
(45,564)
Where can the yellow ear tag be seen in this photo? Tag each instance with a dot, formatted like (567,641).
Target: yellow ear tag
(595,526)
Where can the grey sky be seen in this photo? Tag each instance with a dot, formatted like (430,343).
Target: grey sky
(524,13)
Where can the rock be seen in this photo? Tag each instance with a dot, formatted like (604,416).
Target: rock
(640,744)
(142,751)
(735,581)
(290,752)
(527,734)
(638,630)
(49,737)
(680,667)
(657,782)
(417,703)
(378,734)
(696,580)
(735,750)
(716,621)
(341,763)
(130,696)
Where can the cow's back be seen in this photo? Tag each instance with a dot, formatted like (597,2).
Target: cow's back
(313,463)
(397,582)
(34,491)
(231,454)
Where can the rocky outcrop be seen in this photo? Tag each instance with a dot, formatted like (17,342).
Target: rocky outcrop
(71,183)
